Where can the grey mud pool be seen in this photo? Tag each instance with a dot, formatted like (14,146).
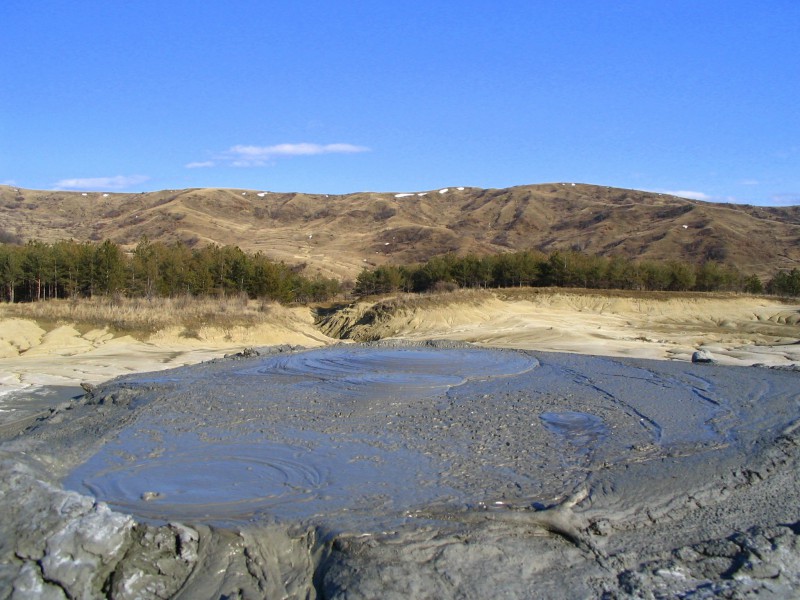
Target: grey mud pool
(400,470)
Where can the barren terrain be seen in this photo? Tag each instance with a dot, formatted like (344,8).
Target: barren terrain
(338,235)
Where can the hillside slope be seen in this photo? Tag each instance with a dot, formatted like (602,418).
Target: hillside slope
(337,235)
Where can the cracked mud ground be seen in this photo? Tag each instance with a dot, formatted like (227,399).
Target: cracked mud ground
(398,470)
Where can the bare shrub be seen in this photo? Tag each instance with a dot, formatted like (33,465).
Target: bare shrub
(445,286)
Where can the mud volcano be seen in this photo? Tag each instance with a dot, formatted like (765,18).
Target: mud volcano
(435,470)
(308,435)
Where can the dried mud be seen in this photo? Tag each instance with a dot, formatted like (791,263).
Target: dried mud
(397,470)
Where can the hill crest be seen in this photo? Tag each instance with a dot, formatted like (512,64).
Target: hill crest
(338,235)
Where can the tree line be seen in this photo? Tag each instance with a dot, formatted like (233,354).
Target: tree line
(567,269)
(69,269)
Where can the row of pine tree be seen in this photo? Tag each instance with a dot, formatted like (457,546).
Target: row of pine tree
(69,269)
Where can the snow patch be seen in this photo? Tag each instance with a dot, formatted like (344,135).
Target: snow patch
(402,195)
(444,191)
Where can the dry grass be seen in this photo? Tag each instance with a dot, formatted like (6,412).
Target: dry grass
(141,315)
(474,296)
(429,300)
(530,293)
(522,293)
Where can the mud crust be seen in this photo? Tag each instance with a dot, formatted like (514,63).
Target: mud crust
(717,518)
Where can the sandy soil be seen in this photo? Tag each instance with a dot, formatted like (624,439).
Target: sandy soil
(736,330)
(31,355)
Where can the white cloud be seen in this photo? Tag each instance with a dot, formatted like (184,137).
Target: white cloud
(10,182)
(120,182)
(692,195)
(257,156)
(204,164)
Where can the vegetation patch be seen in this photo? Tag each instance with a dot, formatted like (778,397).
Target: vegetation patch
(569,269)
(68,269)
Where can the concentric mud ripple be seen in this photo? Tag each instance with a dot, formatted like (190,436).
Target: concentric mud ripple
(195,478)
(402,372)
(200,480)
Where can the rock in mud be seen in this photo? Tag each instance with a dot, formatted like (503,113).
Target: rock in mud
(702,356)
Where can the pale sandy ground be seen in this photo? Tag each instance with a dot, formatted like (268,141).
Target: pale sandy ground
(736,330)
(31,356)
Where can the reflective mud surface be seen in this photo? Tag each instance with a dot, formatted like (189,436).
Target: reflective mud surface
(20,405)
(273,441)
(583,431)
(360,434)
(448,471)
(226,482)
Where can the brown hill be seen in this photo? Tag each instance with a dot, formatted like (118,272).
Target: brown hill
(338,235)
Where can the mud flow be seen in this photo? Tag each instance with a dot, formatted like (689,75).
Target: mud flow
(363,437)
(398,470)
(259,449)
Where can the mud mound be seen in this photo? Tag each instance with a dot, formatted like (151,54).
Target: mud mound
(398,470)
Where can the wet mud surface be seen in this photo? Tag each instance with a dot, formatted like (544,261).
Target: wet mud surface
(397,470)
(20,407)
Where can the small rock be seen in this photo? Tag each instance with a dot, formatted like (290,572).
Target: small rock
(148,496)
(601,527)
(702,356)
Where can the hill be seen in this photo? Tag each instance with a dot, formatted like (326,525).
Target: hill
(337,235)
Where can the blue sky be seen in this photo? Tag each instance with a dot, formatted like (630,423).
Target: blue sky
(697,97)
